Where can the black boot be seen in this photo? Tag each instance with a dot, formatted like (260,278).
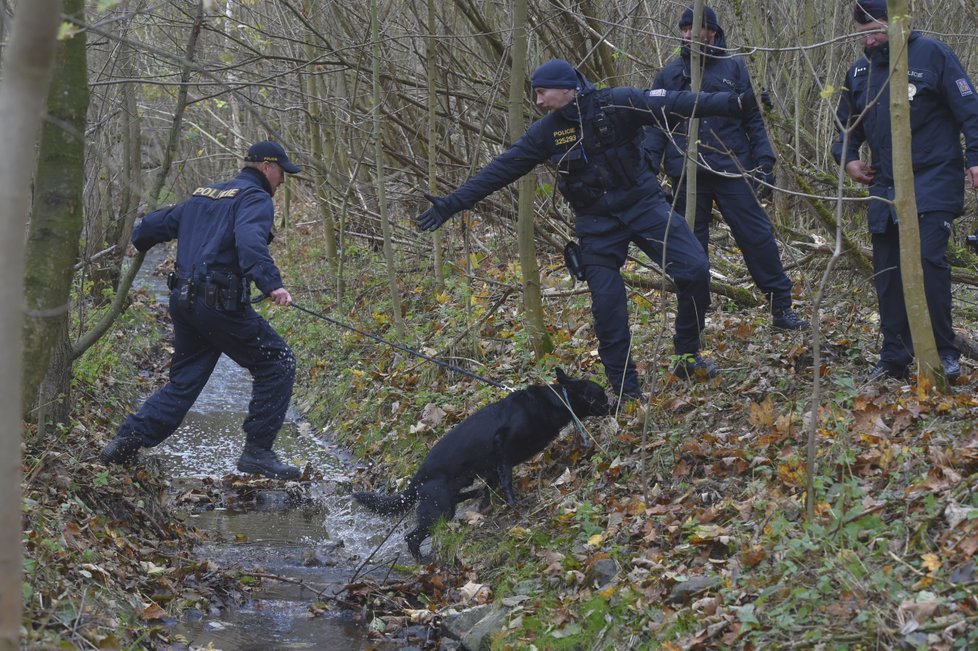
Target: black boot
(123,450)
(696,368)
(259,461)
(884,371)
(787,319)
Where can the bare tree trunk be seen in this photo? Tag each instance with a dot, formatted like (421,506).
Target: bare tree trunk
(132,174)
(318,173)
(696,81)
(56,217)
(905,201)
(27,66)
(431,65)
(540,341)
(385,223)
(120,301)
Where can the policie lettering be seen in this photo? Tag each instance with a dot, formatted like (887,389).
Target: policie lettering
(214,193)
(564,136)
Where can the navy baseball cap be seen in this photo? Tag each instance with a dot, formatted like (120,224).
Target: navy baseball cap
(869,11)
(270,151)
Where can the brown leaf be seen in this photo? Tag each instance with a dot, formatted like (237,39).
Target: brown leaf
(762,415)
(153,611)
(753,556)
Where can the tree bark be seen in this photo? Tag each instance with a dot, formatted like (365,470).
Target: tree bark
(121,299)
(58,210)
(26,67)
(318,174)
(540,341)
(385,224)
(431,63)
(696,61)
(905,201)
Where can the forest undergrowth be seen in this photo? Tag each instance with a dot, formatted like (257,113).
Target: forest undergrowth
(680,524)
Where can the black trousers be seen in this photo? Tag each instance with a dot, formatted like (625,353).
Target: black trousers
(663,235)
(935,230)
(750,226)
(201,335)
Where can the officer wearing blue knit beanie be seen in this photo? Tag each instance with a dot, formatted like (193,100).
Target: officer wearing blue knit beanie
(589,136)
(737,165)
(943,107)
(865,12)
(709,19)
(556,73)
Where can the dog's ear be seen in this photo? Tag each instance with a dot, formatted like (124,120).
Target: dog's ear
(561,376)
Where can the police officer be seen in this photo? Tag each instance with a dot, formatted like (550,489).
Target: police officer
(943,105)
(590,137)
(729,147)
(223,232)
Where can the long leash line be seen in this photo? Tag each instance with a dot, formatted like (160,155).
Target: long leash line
(403,348)
(565,399)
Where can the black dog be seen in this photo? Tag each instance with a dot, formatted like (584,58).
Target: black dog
(487,445)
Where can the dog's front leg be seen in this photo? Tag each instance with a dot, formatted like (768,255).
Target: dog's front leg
(505,474)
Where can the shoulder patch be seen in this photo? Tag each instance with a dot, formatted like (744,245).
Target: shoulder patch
(964,87)
(657,92)
(214,193)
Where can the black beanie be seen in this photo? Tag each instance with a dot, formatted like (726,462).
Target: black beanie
(709,18)
(869,11)
(555,73)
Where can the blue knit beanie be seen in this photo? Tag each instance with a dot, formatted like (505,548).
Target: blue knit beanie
(869,11)
(555,73)
(709,18)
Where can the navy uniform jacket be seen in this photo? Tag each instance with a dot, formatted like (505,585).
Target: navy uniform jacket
(226,226)
(943,105)
(591,142)
(727,144)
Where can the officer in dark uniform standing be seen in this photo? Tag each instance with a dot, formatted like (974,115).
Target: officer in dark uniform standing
(728,148)
(590,137)
(943,106)
(223,232)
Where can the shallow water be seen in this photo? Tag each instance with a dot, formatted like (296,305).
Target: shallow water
(314,542)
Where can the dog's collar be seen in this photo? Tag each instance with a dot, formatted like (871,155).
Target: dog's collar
(577,421)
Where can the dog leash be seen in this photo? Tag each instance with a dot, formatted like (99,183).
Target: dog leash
(451,367)
(577,421)
(405,349)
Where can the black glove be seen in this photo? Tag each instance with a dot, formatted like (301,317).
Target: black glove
(973,242)
(434,217)
(766,177)
(766,99)
(746,102)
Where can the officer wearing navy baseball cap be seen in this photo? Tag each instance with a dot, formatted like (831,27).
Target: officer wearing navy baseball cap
(223,231)
(272,152)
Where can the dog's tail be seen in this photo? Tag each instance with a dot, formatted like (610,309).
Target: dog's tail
(388,504)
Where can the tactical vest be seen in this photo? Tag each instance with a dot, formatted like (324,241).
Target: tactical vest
(601,161)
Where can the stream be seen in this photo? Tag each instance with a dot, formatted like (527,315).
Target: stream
(319,539)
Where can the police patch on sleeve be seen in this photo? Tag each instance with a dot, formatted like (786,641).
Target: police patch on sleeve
(657,92)
(964,87)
